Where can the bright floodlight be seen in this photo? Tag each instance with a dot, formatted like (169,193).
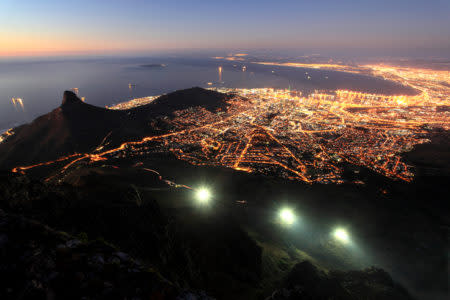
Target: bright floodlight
(341,235)
(287,216)
(203,195)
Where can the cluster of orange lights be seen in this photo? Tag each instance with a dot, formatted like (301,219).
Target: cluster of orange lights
(311,138)
(6,134)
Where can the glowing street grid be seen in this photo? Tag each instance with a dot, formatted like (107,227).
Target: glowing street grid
(278,132)
(311,138)
(281,133)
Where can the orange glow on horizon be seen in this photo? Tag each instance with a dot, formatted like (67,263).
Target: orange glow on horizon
(26,45)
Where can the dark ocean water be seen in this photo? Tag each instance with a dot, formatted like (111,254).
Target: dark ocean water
(106,81)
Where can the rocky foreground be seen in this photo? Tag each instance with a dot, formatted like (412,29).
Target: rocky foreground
(118,229)
(38,262)
(41,263)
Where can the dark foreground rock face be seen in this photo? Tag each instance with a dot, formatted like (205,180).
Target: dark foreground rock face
(192,250)
(211,254)
(305,281)
(40,263)
(371,283)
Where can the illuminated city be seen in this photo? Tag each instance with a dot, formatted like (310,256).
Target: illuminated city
(133,103)
(6,134)
(243,150)
(311,138)
(433,85)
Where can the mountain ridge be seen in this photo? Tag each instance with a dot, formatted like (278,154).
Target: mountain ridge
(78,127)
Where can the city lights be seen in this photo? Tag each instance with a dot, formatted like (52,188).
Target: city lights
(133,103)
(6,134)
(298,136)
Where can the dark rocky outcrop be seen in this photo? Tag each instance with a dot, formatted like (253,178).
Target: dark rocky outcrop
(199,252)
(38,262)
(69,99)
(73,127)
(194,251)
(306,281)
(184,99)
(78,127)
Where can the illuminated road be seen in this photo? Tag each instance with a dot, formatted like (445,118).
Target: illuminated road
(311,138)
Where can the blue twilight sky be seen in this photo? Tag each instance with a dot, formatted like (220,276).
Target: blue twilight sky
(43,27)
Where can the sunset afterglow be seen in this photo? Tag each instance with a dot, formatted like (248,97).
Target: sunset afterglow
(30,28)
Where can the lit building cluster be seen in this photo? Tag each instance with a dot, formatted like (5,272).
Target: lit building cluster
(6,134)
(133,103)
(434,85)
(324,66)
(323,137)
(232,57)
(282,133)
